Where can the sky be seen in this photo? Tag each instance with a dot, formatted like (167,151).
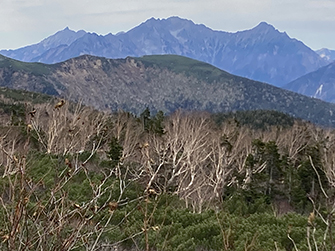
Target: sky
(25,22)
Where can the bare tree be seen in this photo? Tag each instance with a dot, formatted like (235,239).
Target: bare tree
(62,132)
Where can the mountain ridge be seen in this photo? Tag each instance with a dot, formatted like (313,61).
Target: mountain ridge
(160,82)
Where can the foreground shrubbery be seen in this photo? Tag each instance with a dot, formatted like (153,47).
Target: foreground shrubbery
(75,179)
(160,222)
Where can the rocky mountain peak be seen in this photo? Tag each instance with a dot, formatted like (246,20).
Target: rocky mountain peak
(327,54)
(264,27)
(65,36)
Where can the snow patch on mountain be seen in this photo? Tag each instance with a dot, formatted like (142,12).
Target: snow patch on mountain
(318,91)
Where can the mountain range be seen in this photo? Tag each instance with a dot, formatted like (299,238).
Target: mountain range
(161,82)
(261,53)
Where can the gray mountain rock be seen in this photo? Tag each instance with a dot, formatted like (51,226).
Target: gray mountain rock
(327,54)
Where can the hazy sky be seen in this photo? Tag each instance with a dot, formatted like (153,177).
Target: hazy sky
(24,22)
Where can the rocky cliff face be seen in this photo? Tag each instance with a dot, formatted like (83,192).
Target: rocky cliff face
(262,53)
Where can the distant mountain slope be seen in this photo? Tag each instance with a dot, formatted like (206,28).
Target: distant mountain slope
(262,53)
(318,84)
(32,53)
(327,54)
(162,82)
(28,76)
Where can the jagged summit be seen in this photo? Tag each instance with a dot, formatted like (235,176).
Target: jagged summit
(172,19)
(264,28)
(172,22)
(65,36)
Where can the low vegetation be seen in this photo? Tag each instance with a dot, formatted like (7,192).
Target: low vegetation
(73,178)
(37,69)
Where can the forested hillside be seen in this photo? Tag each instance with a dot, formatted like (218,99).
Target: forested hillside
(161,82)
(73,178)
